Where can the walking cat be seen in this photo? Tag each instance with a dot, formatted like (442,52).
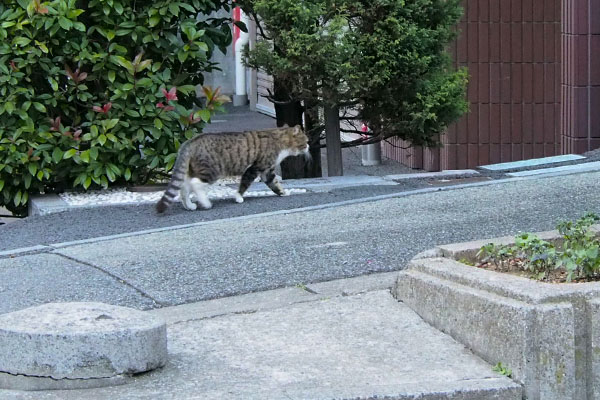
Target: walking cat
(207,157)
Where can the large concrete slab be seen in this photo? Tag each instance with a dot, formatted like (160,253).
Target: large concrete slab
(353,347)
(42,278)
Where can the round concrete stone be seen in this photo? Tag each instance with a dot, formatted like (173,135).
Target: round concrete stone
(78,341)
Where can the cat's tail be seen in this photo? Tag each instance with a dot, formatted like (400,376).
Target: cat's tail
(180,169)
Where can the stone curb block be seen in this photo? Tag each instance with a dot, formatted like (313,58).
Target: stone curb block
(78,345)
(548,334)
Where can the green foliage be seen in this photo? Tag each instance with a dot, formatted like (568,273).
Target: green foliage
(100,92)
(384,59)
(502,370)
(578,254)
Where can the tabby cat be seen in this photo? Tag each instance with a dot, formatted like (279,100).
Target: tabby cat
(207,157)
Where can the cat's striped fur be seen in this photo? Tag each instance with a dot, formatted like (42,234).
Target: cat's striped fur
(207,157)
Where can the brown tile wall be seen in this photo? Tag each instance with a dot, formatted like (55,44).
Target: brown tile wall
(512,49)
(580,126)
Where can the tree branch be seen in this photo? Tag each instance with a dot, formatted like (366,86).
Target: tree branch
(259,26)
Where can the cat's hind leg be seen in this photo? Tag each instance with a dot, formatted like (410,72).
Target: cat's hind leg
(200,188)
(247,178)
(184,194)
(269,178)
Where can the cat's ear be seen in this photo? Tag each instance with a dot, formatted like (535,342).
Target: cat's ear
(297,130)
(285,126)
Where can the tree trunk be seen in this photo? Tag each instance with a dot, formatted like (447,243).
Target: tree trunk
(313,169)
(333,141)
(291,114)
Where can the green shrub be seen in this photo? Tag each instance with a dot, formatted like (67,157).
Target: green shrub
(100,92)
(579,253)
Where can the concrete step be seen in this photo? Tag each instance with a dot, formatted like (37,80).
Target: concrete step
(353,346)
(507,166)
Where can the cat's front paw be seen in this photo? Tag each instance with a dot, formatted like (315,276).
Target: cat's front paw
(239,198)
(190,206)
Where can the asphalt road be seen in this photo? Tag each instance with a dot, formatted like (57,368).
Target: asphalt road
(230,257)
(110,220)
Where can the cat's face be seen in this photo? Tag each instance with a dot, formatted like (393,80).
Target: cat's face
(297,141)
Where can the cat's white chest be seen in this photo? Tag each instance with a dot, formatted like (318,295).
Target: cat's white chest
(282,156)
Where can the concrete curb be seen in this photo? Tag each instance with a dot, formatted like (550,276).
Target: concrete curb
(52,203)
(507,166)
(277,298)
(53,246)
(548,334)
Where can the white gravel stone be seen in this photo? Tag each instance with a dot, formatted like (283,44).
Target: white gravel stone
(122,196)
(78,341)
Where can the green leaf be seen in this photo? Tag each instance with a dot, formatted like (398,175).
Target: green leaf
(111,123)
(21,41)
(182,56)
(153,21)
(174,8)
(69,153)
(40,175)
(27,180)
(154,162)
(94,153)
(65,23)
(127,174)
(110,175)
(204,114)
(118,8)
(40,107)
(79,26)
(17,199)
(203,46)
(88,182)
(85,156)
(242,26)
(158,123)
(111,76)
(132,113)
(102,139)
(1,184)
(57,155)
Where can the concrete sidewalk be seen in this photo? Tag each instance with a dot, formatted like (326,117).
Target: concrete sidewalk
(345,339)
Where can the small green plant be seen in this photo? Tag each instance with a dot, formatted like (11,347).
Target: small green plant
(497,254)
(539,256)
(502,370)
(579,253)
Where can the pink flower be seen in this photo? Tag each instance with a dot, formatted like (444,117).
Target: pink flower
(171,94)
(193,120)
(55,124)
(104,109)
(167,108)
